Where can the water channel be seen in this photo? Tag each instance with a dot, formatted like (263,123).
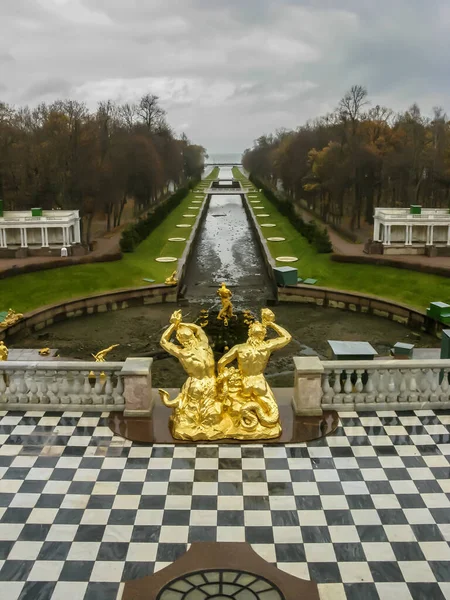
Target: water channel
(227,251)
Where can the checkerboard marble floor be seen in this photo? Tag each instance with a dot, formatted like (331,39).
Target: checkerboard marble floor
(365,512)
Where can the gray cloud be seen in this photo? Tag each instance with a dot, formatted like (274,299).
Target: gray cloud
(226,70)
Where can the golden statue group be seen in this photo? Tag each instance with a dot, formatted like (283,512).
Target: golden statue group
(234,402)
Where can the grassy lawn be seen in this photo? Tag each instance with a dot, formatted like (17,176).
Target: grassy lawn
(408,287)
(29,291)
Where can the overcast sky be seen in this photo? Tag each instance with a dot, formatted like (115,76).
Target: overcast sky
(227,71)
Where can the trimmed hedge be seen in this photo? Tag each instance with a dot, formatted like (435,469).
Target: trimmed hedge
(134,234)
(317,236)
(374,259)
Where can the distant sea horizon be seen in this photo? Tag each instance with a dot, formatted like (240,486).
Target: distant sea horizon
(224,157)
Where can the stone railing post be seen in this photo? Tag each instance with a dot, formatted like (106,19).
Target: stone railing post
(307,386)
(137,380)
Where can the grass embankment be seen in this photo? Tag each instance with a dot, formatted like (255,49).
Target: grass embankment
(32,290)
(408,287)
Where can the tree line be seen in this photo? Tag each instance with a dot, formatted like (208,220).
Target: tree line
(347,162)
(62,155)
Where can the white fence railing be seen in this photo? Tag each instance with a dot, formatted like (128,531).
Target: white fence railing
(370,385)
(45,385)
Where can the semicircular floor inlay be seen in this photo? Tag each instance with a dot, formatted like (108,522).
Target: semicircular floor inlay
(268,225)
(166,259)
(220,584)
(276,239)
(183,225)
(286,258)
(189,216)
(263,215)
(177,239)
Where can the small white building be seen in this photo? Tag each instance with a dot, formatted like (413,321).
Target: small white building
(413,230)
(38,231)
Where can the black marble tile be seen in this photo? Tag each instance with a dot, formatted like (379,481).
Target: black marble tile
(180,488)
(293,553)
(427,533)
(112,551)
(37,590)
(69,516)
(441,569)
(247,452)
(54,551)
(170,552)
(176,517)
(259,535)
(157,475)
(204,503)
(16,515)
(122,517)
(5,548)
(206,475)
(410,501)
(280,488)
(76,570)
(146,533)
(162,451)
(360,501)
(256,503)
(379,487)
(34,532)
(279,464)
(207,452)
(232,518)
(100,501)
(132,570)
(103,591)
(16,570)
(308,502)
(110,475)
(284,518)
(440,515)
(230,488)
(230,463)
(392,516)
(130,488)
(385,571)
(294,452)
(349,552)
(330,488)
(428,487)
(426,591)
(325,572)
(371,533)
(350,475)
(90,533)
(317,534)
(361,591)
(49,501)
(137,463)
(302,475)
(254,476)
(152,502)
(183,463)
(339,517)
(202,534)
(407,551)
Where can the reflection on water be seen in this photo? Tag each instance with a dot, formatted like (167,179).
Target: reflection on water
(227,251)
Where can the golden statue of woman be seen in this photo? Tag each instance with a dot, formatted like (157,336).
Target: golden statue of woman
(252,404)
(226,312)
(197,408)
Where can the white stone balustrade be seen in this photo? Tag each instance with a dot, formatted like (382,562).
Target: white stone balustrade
(372,385)
(75,385)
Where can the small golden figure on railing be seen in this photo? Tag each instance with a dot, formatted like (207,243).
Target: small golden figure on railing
(238,402)
(3,351)
(172,279)
(44,351)
(226,312)
(100,357)
(11,318)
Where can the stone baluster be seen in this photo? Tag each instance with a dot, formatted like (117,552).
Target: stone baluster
(33,387)
(11,392)
(327,390)
(337,387)
(369,387)
(76,388)
(3,385)
(98,386)
(348,386)
(44,391)
(108,389)
(87,389)
(381,387)
(413,396)
(424,384)
(358,387)
(118,391)
(392,393)
(403,387)
(64,388)
(54,389)
(434,384)
(444,386)
(22,387)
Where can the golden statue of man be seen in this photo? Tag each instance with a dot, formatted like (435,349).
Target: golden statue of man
(252,400)
(3,351)
(197,409)
(100,356)
(172,279)
(226,312)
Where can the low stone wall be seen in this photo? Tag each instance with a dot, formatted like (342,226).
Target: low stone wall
(269,262)
(98,303)
(397,263)
(190,243)
(364,303)
(56,263)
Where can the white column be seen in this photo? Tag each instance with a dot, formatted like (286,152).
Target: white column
(408,239)
(387,235)
(3,238)
(44,236)
(448,236)
(63,229)
(77,233)
(431,234)
(376,230)
(25,237)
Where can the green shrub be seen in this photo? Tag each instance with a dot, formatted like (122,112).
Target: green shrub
(316,236)
(134,234)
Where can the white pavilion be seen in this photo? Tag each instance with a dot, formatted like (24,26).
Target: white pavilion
(413,230)
(39,231)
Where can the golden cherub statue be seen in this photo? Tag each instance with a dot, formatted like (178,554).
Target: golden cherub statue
(226,312)
(3,351)
(172,279)
(11,318)
(44,351)
(237,403)
(100,356)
